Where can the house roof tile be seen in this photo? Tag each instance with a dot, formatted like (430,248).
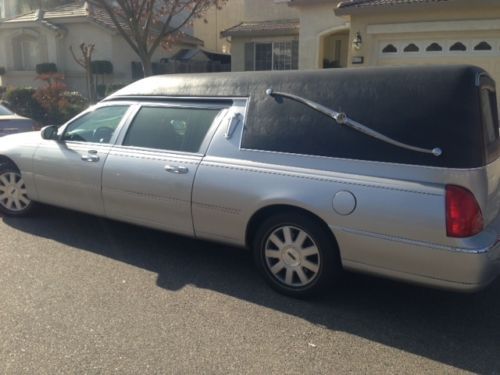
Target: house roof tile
(77,10)
(288,26)
(373,3)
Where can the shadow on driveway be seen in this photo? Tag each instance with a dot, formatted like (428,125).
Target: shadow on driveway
(460,330)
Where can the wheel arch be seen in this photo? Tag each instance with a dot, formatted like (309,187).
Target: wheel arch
(274,209)
(4,160)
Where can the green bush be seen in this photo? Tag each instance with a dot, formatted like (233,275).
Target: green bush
(46,68)
(21,101)
(76,104)
(2,70)
(101,67)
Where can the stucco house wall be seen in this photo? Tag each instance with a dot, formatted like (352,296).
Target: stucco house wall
(267,10)
(209,27)
(443,22)
(52,39)
(318,21)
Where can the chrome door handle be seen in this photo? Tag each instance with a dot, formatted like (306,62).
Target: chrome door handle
(90,158)
(177,169)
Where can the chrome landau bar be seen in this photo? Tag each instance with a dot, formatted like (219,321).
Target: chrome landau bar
(342,119)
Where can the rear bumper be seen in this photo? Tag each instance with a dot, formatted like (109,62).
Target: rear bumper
(453,268)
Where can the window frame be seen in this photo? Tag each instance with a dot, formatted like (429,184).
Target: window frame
(294,60)
(223,109)
(125,118)
(20,45)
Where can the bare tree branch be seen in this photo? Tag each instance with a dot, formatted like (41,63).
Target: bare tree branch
(146,24)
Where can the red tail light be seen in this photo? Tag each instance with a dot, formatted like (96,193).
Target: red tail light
(463,214)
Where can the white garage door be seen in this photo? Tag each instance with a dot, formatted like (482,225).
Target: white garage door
(482,52)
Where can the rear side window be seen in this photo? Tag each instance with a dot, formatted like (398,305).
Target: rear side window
(172,129)
(489,115)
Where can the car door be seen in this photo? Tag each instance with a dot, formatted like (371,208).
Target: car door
(148,178)
(68,170)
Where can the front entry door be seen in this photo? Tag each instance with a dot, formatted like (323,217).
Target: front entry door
(69,170)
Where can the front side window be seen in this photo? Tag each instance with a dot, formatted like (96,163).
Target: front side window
(97,126)
(171,129)
(5,111)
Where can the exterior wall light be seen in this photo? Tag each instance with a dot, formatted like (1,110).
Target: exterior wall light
(357,42)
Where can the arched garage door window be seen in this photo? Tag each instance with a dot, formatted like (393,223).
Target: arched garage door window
(442,47)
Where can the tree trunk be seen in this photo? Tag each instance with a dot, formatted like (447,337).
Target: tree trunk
(90,84)
(147,67)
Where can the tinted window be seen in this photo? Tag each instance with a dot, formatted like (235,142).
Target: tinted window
(4,111)
(176,129)
(490,122)
(97,126)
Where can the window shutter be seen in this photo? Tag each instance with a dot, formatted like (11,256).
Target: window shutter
(249,56)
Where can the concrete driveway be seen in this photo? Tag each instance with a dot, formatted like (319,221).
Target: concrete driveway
(79,294)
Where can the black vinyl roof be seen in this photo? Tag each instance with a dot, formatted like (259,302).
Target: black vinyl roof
(431,106)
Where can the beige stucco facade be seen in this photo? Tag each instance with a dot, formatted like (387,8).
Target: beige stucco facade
(53,46)
(319,29)
(470,23)
(215,20)
(234,12)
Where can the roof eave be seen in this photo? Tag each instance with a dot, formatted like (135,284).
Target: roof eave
(370,9)
(260,33)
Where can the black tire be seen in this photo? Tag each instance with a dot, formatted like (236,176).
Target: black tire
(13,197)
(307,268)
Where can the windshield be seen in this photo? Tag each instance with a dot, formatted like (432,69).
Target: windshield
(4,111)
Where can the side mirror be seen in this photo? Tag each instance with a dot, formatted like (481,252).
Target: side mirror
(49,132)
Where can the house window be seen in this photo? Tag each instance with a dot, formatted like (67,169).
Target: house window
(26,54)
(281,55)
(263,56)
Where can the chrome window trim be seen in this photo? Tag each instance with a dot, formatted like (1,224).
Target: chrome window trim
(91,109)
(192,105)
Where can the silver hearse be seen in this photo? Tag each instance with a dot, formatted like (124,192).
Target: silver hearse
(389,171)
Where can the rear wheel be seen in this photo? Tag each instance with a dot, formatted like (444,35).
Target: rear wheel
(296,255)
(14,199)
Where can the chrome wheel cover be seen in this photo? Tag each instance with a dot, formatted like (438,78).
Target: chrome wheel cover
(292,256)
(13,193)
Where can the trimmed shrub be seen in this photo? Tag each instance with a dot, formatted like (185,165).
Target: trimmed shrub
(46,68)
(101,67)
(22,102)
(76,103)
(50,104)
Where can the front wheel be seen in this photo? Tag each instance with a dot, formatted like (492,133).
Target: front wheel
(296,255)
(14,199)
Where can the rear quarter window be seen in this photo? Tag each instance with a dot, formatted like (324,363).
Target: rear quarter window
(489,115)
